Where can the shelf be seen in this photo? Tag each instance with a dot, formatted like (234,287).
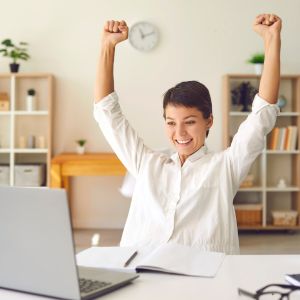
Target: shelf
(270,189)
(270,168)
(269,227)
(4,150)
(289,114)
(25,75)
(20,126)
(282,151)
(238,114)
(24,150)
(251,189)
(31,113)
(25,113)
(287,189)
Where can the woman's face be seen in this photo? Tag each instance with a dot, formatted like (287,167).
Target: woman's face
(186,128)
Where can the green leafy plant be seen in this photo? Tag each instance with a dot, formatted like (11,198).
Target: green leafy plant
(13,51)
(257,58)
(81,142)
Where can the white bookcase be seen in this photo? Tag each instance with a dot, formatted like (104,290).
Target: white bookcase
(17,125)
(271,165)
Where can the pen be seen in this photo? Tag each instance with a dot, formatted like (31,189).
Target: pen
(130,259)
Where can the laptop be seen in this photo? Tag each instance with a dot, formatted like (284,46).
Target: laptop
(37,249)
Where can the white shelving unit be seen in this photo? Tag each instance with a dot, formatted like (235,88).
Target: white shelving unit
(19,122)
(271,165)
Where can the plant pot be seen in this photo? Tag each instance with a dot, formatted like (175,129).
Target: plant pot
(80,149)
(258,68)
(14,68)
(31,103)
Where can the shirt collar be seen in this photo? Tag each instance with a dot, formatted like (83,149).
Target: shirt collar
(195,156)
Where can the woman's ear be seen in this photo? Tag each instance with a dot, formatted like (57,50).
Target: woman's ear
(210,121)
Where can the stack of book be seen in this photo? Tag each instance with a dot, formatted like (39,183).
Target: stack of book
(283,138)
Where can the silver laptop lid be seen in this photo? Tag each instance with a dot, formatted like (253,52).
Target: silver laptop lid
(36,250)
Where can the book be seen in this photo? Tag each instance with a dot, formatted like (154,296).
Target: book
(283,133)
(287,139)
(294,279)
(274,138)
(167,258)
(105,257)
(294,133)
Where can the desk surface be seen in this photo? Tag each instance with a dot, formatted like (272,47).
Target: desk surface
(250,272)
(66,165)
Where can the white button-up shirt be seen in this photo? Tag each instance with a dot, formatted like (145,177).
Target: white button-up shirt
(190,204)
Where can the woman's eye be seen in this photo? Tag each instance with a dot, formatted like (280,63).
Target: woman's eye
(171,123)
(190,122)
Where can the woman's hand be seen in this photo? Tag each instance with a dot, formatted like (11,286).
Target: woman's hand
(267,25)
(114,32)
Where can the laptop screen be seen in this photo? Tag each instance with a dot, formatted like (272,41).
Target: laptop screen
(36,239)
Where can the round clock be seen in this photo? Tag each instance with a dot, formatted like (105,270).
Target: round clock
(143,36)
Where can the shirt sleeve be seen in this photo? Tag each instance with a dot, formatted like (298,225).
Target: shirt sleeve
(123,139)
(249,141)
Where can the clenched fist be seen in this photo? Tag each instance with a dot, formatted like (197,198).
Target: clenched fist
(114,32)
(265,24)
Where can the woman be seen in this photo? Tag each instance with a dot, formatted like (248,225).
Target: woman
(187,197)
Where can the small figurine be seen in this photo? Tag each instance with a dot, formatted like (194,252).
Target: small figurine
(281,183)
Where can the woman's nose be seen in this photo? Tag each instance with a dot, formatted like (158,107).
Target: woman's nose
(181,131)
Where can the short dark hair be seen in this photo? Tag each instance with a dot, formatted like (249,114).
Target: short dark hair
(189,94)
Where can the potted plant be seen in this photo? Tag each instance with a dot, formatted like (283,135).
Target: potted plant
(14,52)
(243,95)
(258,60)
(80,146)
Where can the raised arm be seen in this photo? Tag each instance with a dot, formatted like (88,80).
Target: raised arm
(114,32)
(249,141)
(268,26)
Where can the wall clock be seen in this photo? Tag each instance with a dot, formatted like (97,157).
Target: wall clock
(143,36)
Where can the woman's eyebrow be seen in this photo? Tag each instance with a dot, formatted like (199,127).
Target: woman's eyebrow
(191,116)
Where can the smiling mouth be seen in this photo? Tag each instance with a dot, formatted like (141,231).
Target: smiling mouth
(183,142)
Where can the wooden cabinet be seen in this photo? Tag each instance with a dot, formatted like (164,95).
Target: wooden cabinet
(26,127)
(274,181)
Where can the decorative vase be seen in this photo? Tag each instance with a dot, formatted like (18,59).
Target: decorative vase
(258,68)
(31,141)
(80,149)
(14,68)
(281,102)
(30,103)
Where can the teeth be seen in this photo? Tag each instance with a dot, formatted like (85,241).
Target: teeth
(183,142)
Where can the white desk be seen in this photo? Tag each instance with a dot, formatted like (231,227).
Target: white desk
(250,272)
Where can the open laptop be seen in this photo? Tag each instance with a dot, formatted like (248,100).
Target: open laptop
(37,250)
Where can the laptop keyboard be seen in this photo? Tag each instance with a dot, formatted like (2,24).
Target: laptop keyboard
(88,285)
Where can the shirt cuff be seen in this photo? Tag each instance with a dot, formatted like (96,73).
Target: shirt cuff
(112,97)
(259,104)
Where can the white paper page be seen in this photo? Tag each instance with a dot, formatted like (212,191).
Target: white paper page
(180,259)
(104,257)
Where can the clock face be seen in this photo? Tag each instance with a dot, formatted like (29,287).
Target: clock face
(143,36)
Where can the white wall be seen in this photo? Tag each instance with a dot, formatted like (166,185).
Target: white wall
(200,40)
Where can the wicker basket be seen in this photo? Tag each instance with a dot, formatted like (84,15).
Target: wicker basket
(248,214)
(284,218)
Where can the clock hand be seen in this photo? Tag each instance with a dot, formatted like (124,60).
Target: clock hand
(152,32)
(141,32)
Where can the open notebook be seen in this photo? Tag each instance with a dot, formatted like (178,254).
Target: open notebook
(168,258)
